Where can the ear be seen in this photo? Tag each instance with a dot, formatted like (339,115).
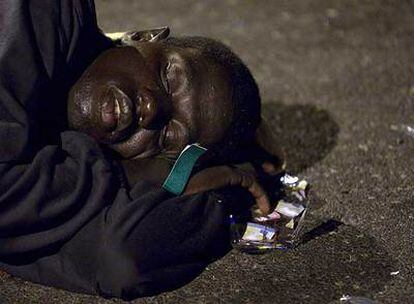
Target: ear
(152,35)
(267,141)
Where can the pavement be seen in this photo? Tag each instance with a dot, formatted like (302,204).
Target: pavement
(337,83)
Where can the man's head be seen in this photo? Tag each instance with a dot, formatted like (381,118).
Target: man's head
(157,97)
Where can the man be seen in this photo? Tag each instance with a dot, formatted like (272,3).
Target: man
(67,217)
(153,98)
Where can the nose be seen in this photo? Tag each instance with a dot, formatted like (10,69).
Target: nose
(153,110)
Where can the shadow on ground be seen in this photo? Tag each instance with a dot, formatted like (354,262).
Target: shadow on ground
(305,133)
(324,267)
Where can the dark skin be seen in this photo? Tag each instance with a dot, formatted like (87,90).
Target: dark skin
(151,100)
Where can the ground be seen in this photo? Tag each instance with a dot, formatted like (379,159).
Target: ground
(337,82)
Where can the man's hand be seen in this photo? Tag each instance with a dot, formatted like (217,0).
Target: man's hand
(222,176)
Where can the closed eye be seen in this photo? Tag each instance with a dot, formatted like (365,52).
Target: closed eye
(164,78)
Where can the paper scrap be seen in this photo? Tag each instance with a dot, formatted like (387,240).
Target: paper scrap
(302,185)
(274,216)
(288,179)
(290,224)
(289,209)
(257,232)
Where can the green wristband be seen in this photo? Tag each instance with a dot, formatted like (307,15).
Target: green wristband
(178,177)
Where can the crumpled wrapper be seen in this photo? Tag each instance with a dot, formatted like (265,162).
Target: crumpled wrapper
(278,230)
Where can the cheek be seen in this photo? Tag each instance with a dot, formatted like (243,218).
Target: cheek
(218,101)
(222,120)
(215,123)
(221,113)
(219,105)
(79,120)
(186,109)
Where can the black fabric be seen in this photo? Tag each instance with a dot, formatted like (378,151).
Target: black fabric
(65,218)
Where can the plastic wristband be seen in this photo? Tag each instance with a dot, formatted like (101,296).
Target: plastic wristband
(180,173)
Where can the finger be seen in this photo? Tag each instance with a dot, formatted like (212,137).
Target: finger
(269,168)
(259,194)
(260,197)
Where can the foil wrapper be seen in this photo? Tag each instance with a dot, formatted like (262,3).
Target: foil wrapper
(278,230)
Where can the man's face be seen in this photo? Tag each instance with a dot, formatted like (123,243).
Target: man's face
(153,98)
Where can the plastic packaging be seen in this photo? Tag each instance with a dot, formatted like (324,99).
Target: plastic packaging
(280,229)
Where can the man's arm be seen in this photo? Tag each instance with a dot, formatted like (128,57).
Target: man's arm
(156,170)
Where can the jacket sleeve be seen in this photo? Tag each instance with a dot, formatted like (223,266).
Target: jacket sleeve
(51,182)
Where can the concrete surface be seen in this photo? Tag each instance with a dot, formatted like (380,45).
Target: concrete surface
(337,80)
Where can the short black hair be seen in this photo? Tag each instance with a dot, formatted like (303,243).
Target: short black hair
(245,96)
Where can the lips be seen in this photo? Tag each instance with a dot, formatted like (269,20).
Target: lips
(110,113)
(116,111)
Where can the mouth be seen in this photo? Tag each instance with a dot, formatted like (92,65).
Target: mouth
(110,111)
(116,113)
